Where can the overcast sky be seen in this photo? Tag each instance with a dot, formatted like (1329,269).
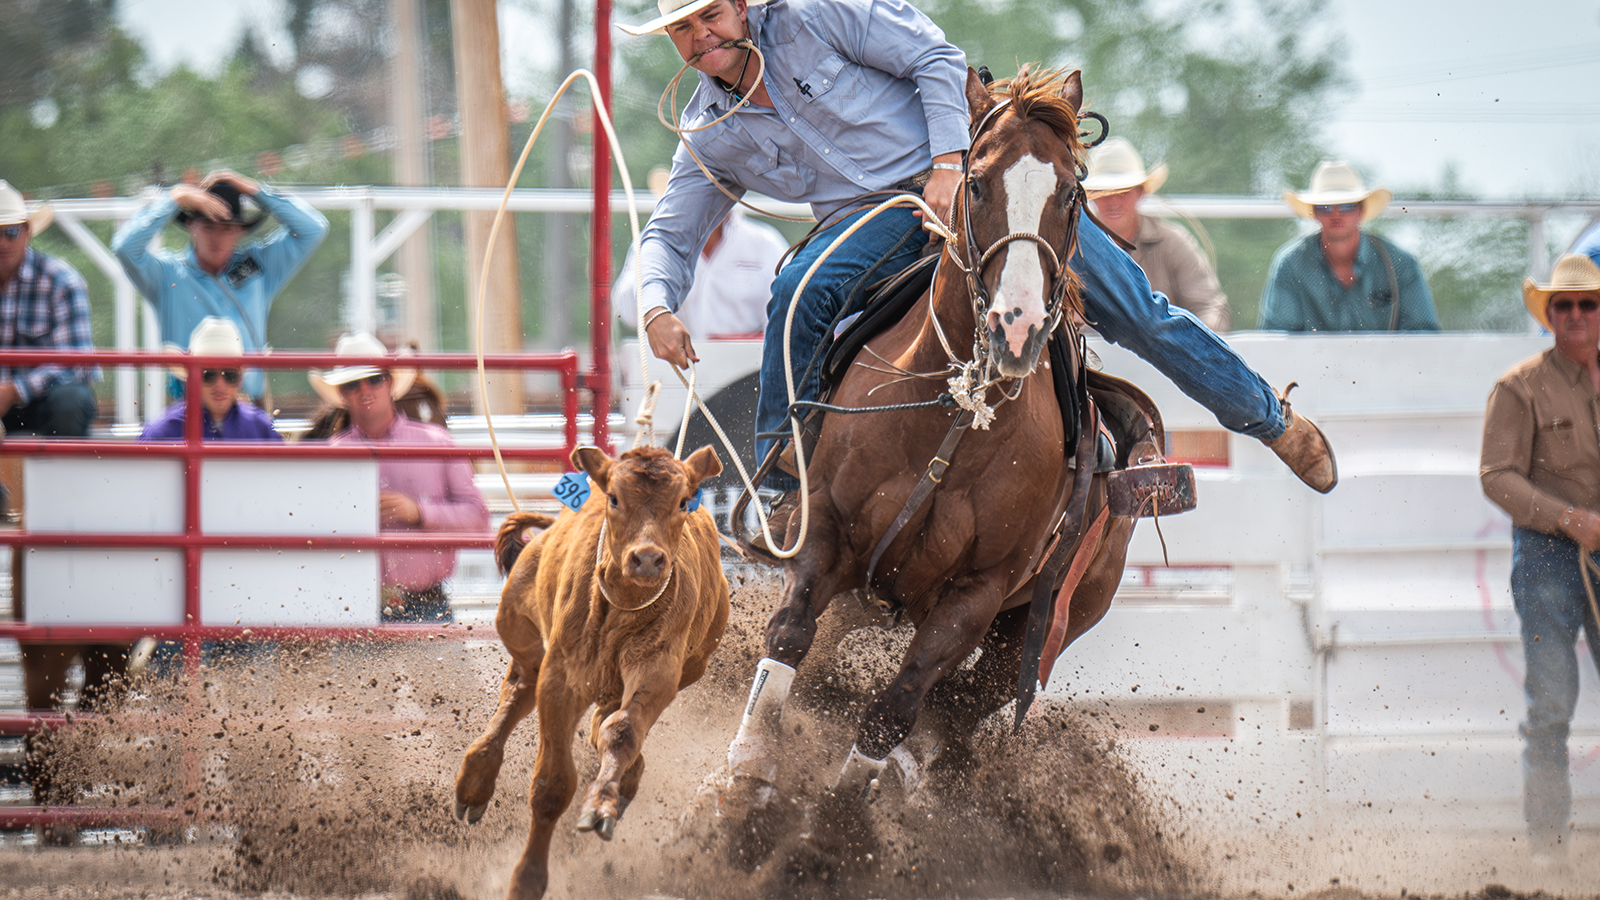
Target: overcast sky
(1500,91)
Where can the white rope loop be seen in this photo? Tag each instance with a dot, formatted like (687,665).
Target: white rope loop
(488,255)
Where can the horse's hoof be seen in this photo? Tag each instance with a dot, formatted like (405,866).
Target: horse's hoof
(461,810)
(607,828)
(589,819)
(471,813)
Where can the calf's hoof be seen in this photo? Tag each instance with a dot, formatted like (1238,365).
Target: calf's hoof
(471,814)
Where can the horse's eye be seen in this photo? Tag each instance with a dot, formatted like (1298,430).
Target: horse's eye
(975,188)
(613,499)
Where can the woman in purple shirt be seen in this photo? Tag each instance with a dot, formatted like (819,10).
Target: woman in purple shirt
(413,494)
(226,417)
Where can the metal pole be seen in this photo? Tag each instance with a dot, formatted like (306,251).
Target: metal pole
(363,280)
(600,238)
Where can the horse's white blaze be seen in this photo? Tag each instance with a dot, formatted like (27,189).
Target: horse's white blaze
(1019,298)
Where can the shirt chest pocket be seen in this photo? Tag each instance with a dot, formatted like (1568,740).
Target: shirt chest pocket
(791,179)
(822,83)
(34,333)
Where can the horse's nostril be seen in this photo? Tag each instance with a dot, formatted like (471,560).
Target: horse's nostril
(646,563)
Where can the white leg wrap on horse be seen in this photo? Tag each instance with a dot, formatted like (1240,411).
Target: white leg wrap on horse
(750,753)
(859,772)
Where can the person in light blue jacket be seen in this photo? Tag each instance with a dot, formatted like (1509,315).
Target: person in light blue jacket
(214,276)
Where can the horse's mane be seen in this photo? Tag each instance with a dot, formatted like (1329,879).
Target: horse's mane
(1036,94)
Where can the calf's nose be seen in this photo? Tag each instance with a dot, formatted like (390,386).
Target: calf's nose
(647,562)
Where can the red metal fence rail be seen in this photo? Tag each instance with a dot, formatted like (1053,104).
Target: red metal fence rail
(192,451)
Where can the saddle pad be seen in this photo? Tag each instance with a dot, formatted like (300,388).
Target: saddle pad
(888,303)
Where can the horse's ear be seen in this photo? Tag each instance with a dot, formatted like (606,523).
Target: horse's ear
(1072,90)
(979,100)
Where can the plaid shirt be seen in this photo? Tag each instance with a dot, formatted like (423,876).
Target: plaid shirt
(46,306)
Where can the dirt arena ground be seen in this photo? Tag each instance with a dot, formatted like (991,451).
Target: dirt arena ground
(329,772)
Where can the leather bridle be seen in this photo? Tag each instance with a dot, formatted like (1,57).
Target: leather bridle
(972,261)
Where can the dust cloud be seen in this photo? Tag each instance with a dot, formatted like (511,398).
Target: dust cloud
(329,771)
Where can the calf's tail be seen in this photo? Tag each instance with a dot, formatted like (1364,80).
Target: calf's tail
(508,543)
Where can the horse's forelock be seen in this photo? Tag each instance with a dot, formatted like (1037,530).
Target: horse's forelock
(1036,94)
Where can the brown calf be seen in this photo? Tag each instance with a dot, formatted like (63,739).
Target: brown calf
(618,605)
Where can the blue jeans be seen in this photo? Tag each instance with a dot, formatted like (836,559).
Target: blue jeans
(1117,299)
(64,410)
(884,247)
(1548,592)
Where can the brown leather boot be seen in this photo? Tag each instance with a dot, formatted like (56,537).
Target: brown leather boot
(1304,448)
(778,522)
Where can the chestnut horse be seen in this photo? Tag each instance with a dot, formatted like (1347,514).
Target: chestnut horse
(962,568)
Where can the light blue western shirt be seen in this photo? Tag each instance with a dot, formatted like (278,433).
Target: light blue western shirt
(182,293)
(865,93)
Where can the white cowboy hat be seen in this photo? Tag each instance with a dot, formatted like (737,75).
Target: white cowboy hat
(673,11)
(1115,167)
(13,211)
(1334,182)
(214,336)
(359,344)
(1576,273)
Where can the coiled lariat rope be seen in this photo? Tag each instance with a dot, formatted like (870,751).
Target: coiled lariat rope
(931,223)
(494,231)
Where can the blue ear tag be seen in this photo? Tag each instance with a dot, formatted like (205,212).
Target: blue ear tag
(572,490)
(694,502)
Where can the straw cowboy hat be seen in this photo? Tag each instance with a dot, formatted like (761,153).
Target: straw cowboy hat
(1115,167)
(214,336)
(1334,182)
(13,211)
(1573,274)
(327,383)
(673,11)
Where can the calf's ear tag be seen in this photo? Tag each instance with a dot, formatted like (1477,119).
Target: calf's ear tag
(572,490)
(694,502)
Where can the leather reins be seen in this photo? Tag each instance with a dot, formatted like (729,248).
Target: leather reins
(981,299)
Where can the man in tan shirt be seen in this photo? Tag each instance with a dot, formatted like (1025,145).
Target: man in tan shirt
(1541,464)
(1169,255)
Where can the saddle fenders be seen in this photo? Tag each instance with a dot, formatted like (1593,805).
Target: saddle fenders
(1154,489)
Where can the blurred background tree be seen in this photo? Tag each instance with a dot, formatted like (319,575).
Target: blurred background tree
(1228,93)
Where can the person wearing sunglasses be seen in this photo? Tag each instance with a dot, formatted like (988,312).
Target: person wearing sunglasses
(1339,278)
(44,305)
(1169,255)
(226,417)
(215,275)
(1541,464)
(414,494)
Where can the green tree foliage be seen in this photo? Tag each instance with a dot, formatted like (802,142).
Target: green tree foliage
(1227,93)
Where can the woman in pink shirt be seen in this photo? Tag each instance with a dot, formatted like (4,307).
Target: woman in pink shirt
(414,494)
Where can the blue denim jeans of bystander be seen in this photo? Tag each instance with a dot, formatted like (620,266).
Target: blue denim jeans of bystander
(1547,587)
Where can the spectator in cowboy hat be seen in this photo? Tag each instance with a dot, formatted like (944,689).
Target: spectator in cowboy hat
(1339,278)
(414,494)
(1541,464)
(226,417)
(1169,255)
(214,276)
(44,305)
